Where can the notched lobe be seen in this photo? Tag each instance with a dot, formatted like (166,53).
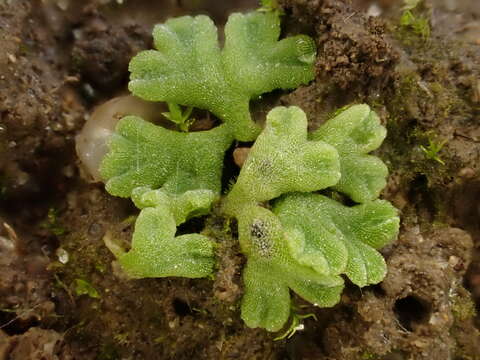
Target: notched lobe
(308,238)
(189,68)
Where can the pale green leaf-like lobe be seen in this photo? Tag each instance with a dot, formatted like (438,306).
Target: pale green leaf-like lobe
(189,68)
(283,160)
(354,133)
(353,233)
(259,62)
(183,206)
(329,256)
(320,290)
(156,252)
(145,155)
(266,302)
(271,271)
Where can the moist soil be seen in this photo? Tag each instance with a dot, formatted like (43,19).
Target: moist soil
(62,295)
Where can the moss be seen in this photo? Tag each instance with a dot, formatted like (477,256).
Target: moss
(367,355)
(414,23)
(51,223)
(83,287)
(403,103)
(463,308)
(108,352)
(417,24)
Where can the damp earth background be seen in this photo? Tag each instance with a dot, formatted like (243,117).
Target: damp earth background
(62,297)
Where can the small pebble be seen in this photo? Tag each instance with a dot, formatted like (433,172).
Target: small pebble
(466,173)
(240,155)
(62,255)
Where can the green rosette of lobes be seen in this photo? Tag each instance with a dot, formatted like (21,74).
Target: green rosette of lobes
(188,66)
(171,176)
(293,238)
(282,160)
(308,240)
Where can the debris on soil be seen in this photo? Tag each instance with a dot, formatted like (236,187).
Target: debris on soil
(35,344)
(352,48)
(24,285)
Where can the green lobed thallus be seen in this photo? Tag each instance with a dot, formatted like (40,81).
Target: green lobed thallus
(293,237)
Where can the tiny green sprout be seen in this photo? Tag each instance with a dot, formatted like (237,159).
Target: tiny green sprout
(368,356)
(296,323)
(181,119)
(200,311)
(129,220)
(432,150)
(7,310)
(51,223)
(227,225)
(83,287)
(418,24)
(121,338)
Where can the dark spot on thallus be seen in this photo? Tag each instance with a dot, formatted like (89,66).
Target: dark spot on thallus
(260,238)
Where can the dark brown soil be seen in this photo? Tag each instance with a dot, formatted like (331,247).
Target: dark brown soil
(59,59)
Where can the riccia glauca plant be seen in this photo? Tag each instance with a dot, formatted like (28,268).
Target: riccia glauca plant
(294,238)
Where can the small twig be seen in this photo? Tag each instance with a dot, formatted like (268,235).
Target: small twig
(402,328)
(348,17)
(12,235)
(18,316)
(456,133)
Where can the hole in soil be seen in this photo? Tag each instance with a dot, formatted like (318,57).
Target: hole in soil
(181,307)
(11,325)
(411,311)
